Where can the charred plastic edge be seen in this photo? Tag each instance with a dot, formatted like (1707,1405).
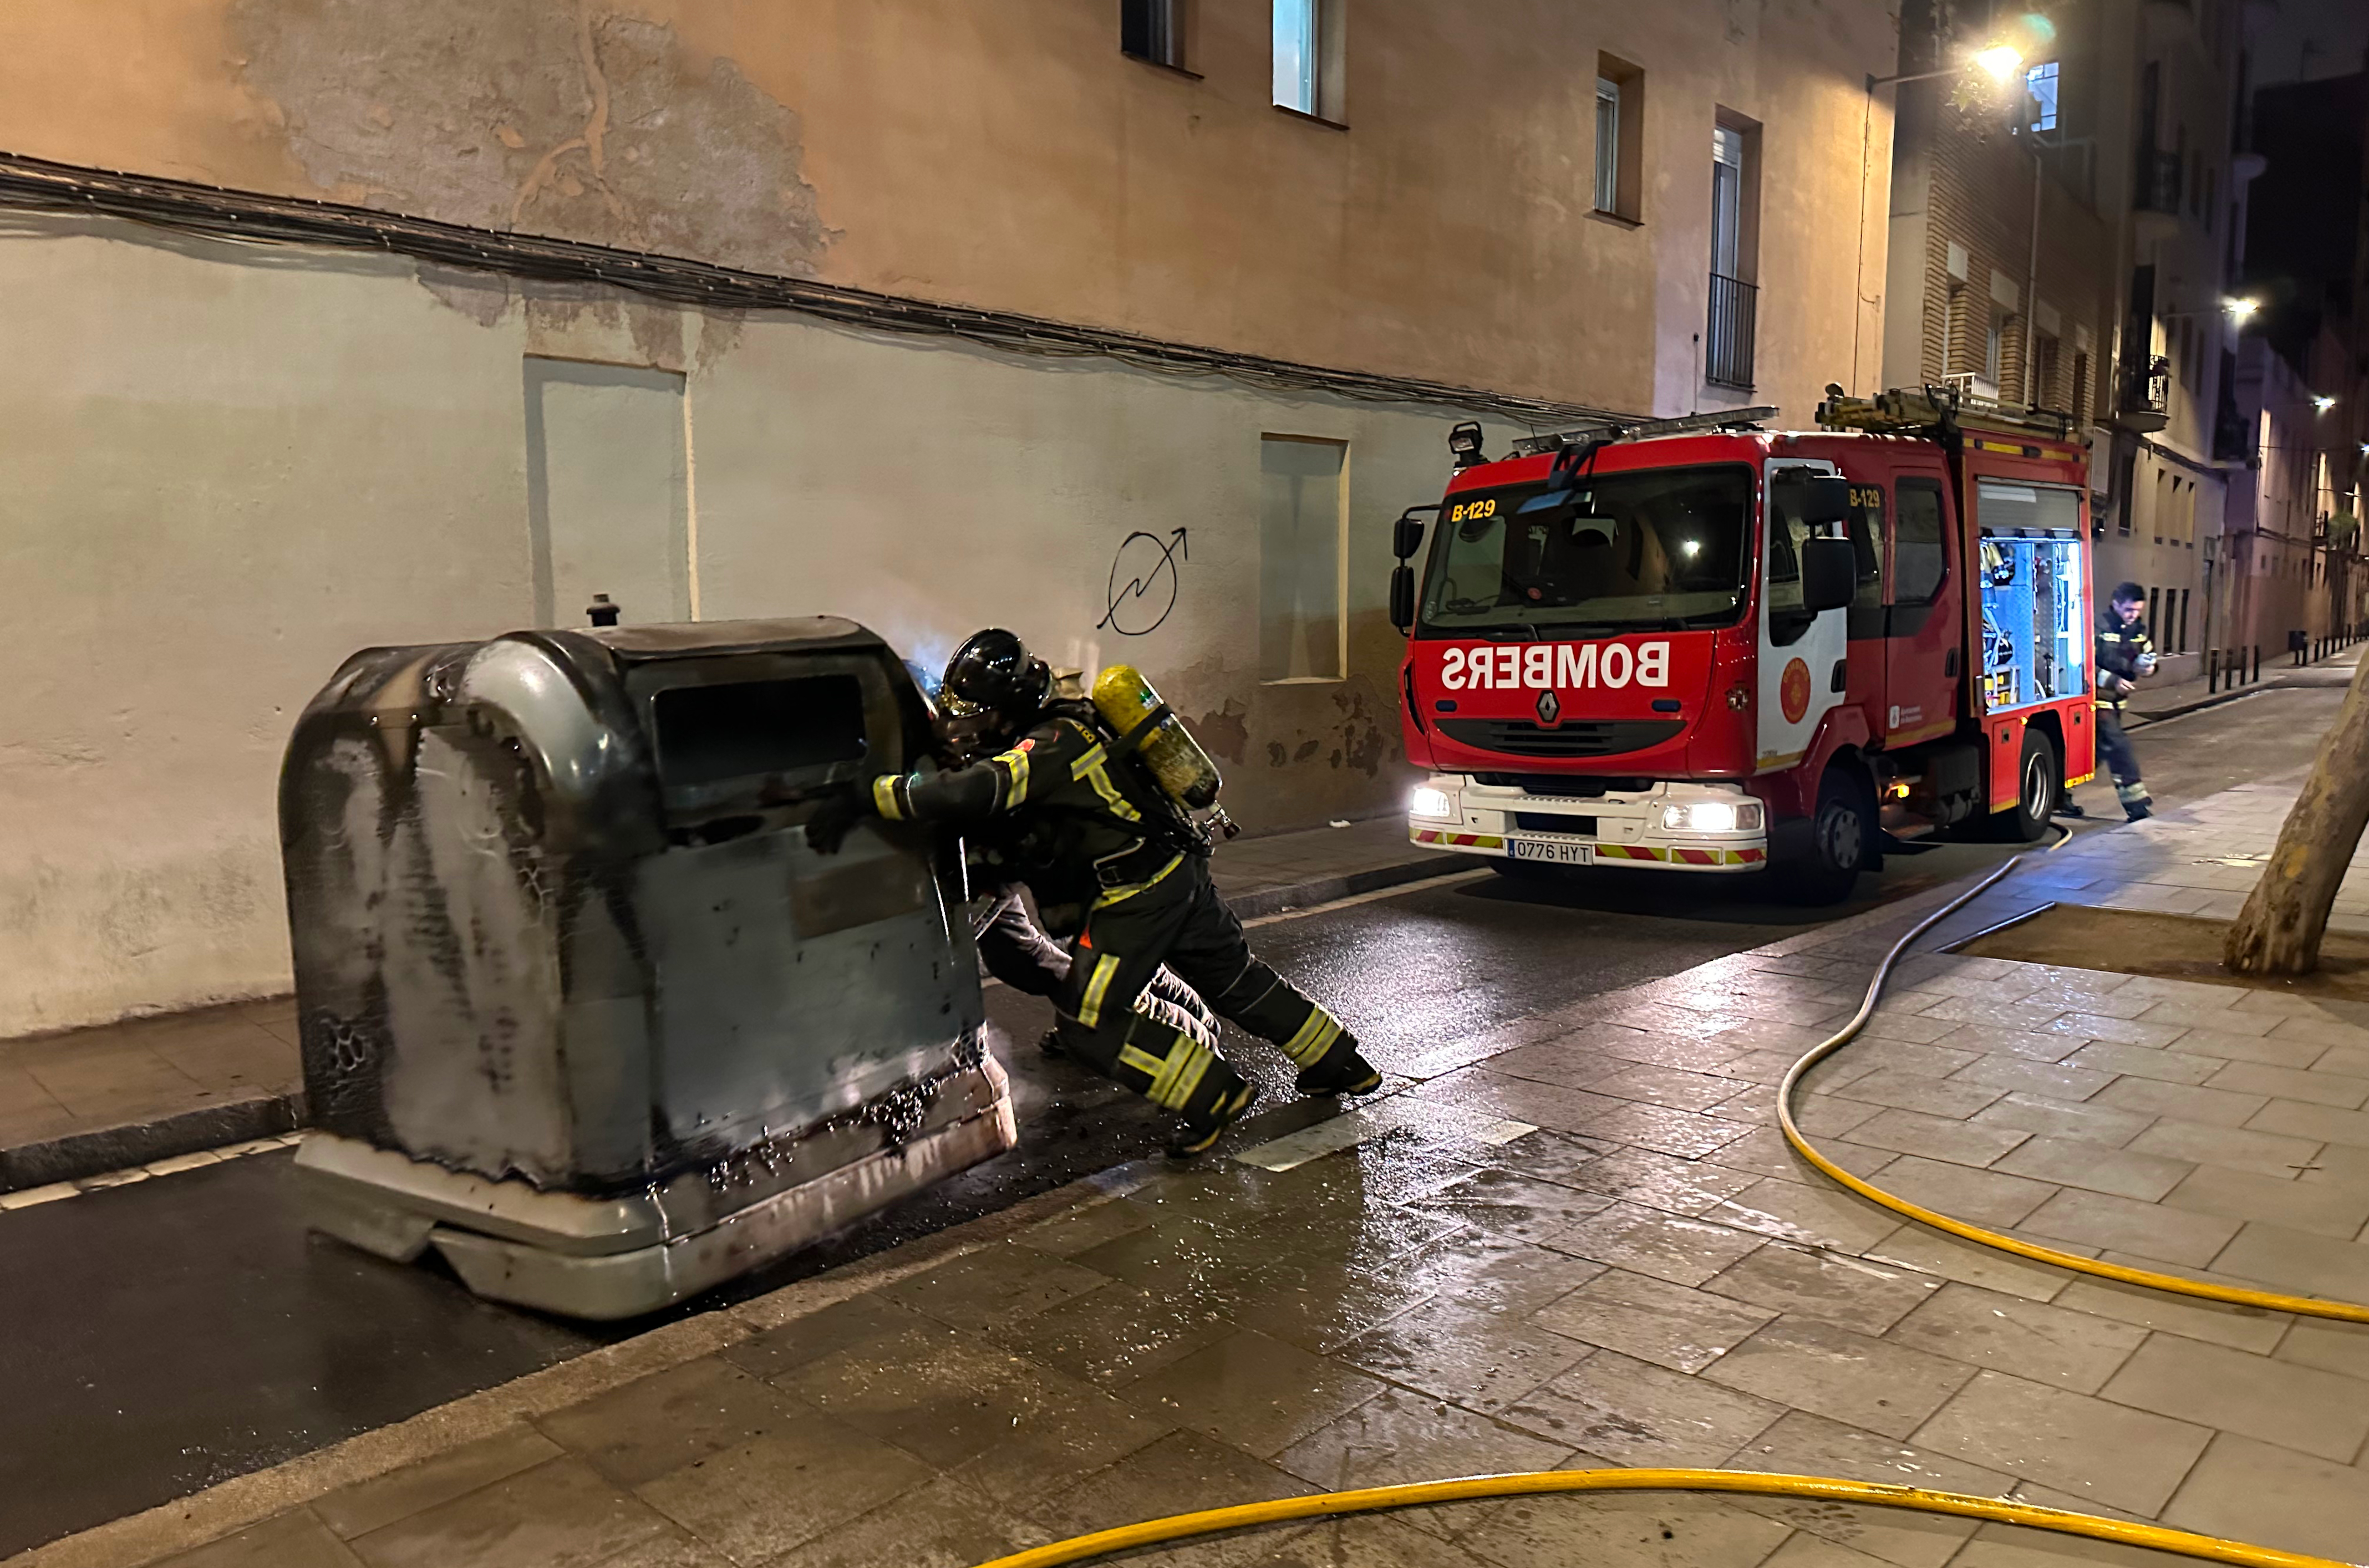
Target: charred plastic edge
(623,1284)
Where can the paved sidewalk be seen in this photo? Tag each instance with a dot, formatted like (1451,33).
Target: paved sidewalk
(1578,1241)
(92,1103)
(2153,702)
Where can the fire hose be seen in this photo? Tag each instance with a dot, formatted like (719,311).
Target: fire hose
(1373,1499)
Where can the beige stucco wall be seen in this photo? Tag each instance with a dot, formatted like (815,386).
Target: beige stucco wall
(232,466)
(229,471)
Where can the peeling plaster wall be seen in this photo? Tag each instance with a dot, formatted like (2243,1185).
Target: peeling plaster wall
(1007,155)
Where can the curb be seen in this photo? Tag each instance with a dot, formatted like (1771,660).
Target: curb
(77,1156)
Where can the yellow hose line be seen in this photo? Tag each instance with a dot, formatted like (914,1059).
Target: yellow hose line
(1371,1499)
(2236,1295)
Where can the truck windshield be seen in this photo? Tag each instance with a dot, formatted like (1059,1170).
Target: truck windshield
(1655,549)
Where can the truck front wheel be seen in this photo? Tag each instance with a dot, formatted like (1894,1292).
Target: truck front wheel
(1842,842)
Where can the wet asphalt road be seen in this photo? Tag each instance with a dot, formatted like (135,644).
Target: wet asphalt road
(167,1335)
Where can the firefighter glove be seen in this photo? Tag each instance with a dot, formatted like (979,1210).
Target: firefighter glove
(834,816)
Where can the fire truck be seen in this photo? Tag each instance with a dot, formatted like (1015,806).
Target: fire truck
(1701,646)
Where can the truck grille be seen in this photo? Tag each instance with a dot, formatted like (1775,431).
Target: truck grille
(1520,738)
(1553,823)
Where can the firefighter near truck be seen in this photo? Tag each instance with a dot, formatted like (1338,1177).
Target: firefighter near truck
(1700,646)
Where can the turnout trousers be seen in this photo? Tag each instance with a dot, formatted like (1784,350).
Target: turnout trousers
(1016,951)
(2121,759)
(1177,919)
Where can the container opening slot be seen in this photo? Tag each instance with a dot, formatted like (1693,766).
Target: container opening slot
(708,734)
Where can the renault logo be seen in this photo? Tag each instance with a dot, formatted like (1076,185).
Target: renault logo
(1549,708)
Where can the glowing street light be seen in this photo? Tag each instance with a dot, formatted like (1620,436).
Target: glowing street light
(2322,402)
(2002,61)
(2241,310)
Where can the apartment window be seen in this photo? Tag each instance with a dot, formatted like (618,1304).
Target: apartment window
(1620,138)
(1734,216)
(2047,354)
(2081,389)
(1154,30)
(2182,619)
(1608,144)
(2041,82)
(1303,518)
(1994,345)
(1307,57)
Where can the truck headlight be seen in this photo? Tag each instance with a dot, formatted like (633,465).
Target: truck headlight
(1712,816)
(1432,803)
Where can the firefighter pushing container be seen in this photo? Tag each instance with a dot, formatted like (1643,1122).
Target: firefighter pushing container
(1121,866)
(1011,945)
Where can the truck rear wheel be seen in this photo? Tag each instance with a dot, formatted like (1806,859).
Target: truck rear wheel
(2038,791)
(1842,842)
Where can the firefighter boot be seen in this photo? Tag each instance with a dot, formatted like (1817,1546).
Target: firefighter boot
(1341,1070)
(1204,1127)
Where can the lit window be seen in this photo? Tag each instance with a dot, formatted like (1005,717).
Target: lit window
(1294,54)
(2042,82)
(1608,145)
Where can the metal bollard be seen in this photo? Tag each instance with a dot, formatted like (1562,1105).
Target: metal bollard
(2212,671)
(2257,665)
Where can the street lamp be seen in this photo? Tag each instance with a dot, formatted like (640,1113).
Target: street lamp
(2002,61)
(2240,309)
(2322,402)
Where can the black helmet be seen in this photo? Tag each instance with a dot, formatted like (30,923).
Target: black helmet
(994,671)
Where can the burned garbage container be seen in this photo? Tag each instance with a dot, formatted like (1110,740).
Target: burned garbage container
(580,1009)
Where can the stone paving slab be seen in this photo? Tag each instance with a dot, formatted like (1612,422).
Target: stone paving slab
(1649,1277)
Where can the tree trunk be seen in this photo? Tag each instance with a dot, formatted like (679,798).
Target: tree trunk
(2278,932)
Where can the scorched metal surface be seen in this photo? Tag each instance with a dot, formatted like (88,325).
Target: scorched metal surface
(579,1007)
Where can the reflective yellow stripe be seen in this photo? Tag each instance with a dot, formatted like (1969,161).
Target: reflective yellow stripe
(1315,1038)
(1143,1061)
(1188,1076)
(1015,769)
(1089,1011)
(1131,889)
(1188,1062)
(1091,769)
(884,797)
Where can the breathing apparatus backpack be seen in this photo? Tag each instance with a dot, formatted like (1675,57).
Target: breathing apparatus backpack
(1176,760)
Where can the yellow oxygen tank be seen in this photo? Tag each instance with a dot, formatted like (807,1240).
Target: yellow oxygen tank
(1126,699)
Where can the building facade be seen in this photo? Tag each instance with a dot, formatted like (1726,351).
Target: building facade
(2301,409)
(1128,326)
(2060,240)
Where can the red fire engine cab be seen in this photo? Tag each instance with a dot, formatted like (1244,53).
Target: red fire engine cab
(1696,644)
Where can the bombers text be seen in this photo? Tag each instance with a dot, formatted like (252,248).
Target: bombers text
(1567,666)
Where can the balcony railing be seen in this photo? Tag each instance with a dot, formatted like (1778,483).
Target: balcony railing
(2157,187)
(1727,346)
(2145,403)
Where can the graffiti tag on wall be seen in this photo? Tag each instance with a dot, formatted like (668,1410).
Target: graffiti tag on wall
(1143,583)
